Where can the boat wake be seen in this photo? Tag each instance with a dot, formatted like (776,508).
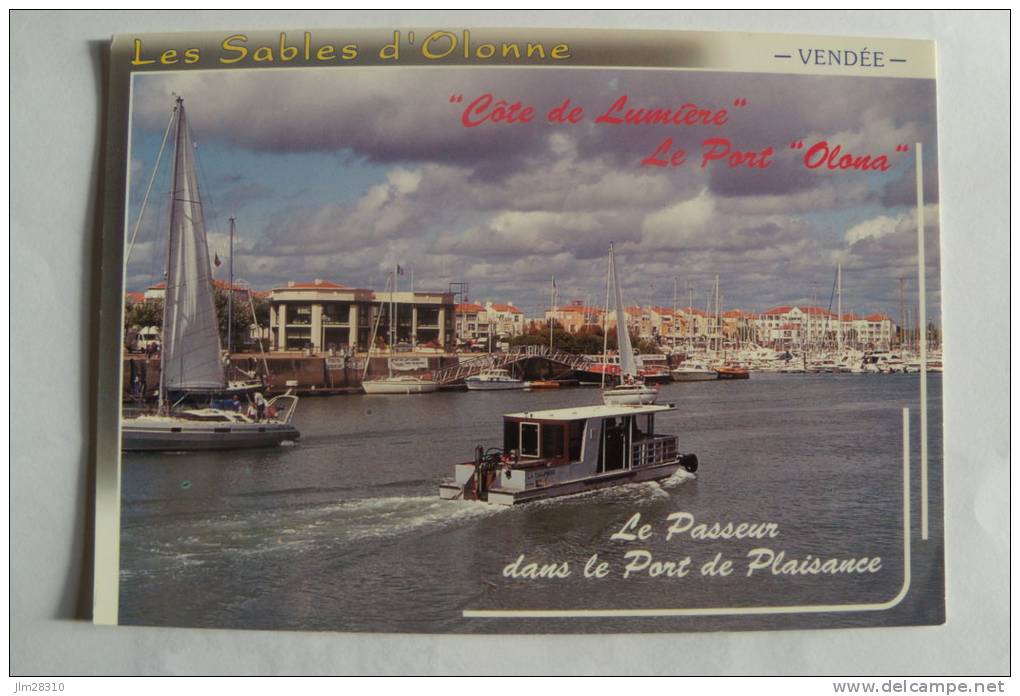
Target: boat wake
(190,541)
(642,491)
(369,518)
(679,476)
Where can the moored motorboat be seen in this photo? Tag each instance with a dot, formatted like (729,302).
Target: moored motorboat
(558,452)
(493,380)
(542,384)
(656,375)
(733,371)
(631,393)
(692,372)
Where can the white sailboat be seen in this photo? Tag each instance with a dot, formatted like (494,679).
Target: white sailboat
(190,358)
(393,384)
(631,389)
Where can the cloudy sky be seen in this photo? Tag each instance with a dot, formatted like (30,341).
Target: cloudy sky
(340,173)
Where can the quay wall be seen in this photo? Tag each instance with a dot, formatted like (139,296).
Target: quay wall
(319,373)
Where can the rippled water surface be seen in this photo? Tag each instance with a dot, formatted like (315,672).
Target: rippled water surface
(345,531)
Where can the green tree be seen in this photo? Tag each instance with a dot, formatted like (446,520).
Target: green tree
(239,316)
(141,314)
(150,313)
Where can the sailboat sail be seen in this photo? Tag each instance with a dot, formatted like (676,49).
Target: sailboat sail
(191,339)
(628,366)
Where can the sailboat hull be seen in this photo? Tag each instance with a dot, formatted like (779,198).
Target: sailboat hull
(180,436)
(399,386)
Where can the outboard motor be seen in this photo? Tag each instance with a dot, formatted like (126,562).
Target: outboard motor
(689,462)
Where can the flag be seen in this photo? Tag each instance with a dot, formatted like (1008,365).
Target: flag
(216,260)
(400,269)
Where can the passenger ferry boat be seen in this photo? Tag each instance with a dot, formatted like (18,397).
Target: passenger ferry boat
(563,451)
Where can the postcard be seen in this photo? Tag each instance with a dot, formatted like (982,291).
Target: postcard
(465,330)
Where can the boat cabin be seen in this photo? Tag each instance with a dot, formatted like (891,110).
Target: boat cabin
(599,438)
(569,450)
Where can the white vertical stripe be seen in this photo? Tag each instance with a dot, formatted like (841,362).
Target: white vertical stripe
(923,338)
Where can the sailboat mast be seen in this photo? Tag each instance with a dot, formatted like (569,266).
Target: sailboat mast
(605,326)
(230,294)
(628,366)
(375,333)
(178,110)
(690,305)
(552,312)
(393,320)
(903,315)
(673,319)
(839,307)
(718,335)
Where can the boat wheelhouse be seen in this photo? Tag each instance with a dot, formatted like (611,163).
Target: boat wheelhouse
(563,451)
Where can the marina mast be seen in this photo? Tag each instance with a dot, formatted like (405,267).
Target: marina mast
(839,308)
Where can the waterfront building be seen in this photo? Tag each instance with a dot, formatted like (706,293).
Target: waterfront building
(506,319)
(323,315)
(476,324)
(873,332)
(738,325)
(471,324)
(670,327)
(792,327)
(575,316)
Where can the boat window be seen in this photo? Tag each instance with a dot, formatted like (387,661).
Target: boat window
(576,439)
(511,436)
(529,439)
(552,441)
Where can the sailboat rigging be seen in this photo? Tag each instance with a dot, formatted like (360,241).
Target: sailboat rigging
(392,384)
(631,389)
(190,357)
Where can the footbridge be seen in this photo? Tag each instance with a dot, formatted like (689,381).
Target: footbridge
(490,361)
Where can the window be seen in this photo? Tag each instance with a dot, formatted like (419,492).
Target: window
(511,436)
(529,439)
(576,439)
(552,441)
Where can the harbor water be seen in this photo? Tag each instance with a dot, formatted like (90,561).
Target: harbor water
(345,530)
